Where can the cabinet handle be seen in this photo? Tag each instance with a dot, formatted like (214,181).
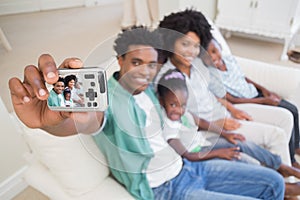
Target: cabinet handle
(256,4)
(251,4)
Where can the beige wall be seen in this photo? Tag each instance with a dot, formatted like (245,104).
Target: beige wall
(207,7)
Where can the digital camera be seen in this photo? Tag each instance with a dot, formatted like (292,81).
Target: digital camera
(79,90)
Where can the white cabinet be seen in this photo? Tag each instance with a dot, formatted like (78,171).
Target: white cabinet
(269,18)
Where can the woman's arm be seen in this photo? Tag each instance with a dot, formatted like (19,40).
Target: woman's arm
(213,127)
(236,113)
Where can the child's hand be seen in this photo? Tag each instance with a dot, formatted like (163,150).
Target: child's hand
(228,153)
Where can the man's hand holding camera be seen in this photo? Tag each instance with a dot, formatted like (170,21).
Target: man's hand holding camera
(29,99)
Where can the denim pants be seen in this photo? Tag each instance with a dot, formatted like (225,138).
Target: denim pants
(294,141)
(265,157)
(222,180)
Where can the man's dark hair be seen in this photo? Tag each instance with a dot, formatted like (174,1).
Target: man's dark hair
(60,79)
(176,25)
(137,35)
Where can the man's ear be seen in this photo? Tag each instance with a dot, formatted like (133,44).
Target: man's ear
(120,61)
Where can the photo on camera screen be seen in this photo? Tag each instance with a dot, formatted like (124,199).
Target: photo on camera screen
(78,90)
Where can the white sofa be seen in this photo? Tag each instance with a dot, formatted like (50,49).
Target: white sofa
(72,168)
(69,168)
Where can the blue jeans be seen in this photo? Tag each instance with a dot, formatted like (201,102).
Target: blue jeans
(265,157)
(222,180)
(294,141)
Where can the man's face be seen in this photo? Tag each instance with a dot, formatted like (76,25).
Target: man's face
(138,68)
(59,87)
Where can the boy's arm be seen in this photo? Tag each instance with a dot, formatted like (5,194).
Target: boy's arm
(233,99)
(265,91)
(268,99)
(258,86)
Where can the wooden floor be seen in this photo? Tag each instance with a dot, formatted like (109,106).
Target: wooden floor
(30,194)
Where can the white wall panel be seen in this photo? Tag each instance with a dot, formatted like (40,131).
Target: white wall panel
(18,6)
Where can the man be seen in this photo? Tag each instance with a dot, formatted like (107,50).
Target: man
(131,137)
(56,97)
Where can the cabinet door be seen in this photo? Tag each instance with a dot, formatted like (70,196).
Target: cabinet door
(234,13)
(273,16)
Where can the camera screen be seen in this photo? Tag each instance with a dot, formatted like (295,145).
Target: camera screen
(67,91)
(79,90)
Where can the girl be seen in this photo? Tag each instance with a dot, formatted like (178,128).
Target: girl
(68,100)
(181,131)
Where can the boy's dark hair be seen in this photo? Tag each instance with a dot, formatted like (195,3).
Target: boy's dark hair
(172,80)
(176,25)
(60,79)
(137,35)
(69,78)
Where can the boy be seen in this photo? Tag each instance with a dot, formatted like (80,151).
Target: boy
(240,89)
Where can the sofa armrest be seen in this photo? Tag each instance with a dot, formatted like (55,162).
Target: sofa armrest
(40,178)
